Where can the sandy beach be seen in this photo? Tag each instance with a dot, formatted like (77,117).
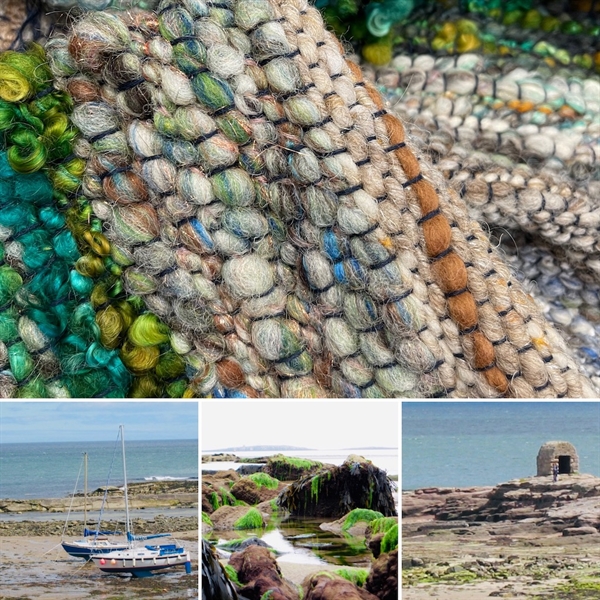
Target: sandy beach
(33,565)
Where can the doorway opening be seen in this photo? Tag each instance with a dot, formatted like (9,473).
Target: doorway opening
(564,465)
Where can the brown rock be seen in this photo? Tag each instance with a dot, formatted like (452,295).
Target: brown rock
(326,586)
(248,491)
(383,578)
(258,571)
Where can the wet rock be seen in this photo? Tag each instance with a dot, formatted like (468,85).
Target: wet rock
(248,491)
(334,491)
(286,468)
(216,490)
(383,578)
(326,586)
(259,573)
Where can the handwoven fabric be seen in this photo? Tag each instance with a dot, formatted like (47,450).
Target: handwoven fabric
(263,226)
(274,213)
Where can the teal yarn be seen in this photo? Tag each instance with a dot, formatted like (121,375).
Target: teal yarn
(51,350)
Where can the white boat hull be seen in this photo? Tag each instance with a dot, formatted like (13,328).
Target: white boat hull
(142,561)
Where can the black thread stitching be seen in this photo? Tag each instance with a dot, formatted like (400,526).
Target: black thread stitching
(99,136)
(413,180)
(456,292)
(129,85)
(429,215)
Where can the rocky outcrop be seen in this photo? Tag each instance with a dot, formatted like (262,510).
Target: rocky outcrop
(286,468)
(327,586)
(216,490)
(141,495)
(259,573)
(383,578)
(572,501)
(332,491)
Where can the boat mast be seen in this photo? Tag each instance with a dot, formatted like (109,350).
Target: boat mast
(127,524)
(85,488)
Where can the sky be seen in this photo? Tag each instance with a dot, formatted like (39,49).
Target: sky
(316,424)
(96,421)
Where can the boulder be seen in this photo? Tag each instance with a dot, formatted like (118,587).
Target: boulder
(383,578)
(248,491)
(259,573)
(228,517)
(332,491)
(286,468)
(327,586)
(216,490)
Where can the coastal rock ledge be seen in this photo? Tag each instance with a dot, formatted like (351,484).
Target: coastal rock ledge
(571,502)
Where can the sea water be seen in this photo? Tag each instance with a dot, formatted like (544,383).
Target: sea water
(384,458)
(458,444)
(50,470)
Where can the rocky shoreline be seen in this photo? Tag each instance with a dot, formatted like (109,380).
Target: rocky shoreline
(528,538)
(144,494)
(353,503)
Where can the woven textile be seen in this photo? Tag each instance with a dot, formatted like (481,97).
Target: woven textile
(263,225)
(274,214)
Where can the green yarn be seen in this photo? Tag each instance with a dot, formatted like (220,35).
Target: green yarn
(148,331)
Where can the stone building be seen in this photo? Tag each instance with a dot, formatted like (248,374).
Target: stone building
(564,452)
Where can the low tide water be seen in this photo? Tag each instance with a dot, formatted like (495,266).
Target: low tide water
(50,470)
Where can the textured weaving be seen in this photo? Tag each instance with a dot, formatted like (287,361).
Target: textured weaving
(275,216)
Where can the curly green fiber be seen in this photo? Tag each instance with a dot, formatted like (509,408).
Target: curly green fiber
(38,136)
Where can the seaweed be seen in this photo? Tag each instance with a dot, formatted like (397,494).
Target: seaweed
(382,525)
(360,514)
(206,519)
(390,539)
(285,468)
(264,480)
(232,574)
(356,576)
(251,520)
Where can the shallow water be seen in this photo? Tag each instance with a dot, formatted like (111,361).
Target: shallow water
(301,541)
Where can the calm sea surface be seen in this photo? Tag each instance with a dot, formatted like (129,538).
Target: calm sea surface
(386,459)
(49,470)
(458,444)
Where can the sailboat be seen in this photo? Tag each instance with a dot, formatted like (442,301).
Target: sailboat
(95,541)
(140,560)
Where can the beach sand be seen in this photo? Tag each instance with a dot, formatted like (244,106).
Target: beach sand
(33,565)
(37,568)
